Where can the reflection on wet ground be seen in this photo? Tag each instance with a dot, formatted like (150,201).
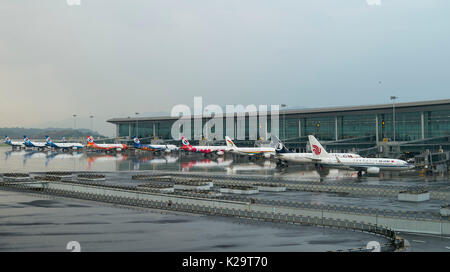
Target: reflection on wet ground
(37,161)
(34,223)
(31,223)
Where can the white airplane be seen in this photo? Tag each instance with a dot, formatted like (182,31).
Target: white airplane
(38,145)
(368,165)
(284,155)
(64,146)
(265,152)
(153,147)
(13,144)
(206,149)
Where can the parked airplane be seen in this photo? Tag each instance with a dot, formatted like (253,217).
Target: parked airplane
(249,151)
(284,155)
(13,144)
(38,145)
(368,165)
(207,149)
(64,146)
(107,147)
(153,147)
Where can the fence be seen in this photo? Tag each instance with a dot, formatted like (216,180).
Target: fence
(131,197)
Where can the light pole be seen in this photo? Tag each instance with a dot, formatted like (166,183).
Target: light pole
(137,125)
(74,121)
(92,122)
(393,112)
(284,121)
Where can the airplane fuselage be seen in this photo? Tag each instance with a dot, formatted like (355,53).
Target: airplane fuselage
(384,164)
(308,157)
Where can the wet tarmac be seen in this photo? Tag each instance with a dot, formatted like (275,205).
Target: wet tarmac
(34,223)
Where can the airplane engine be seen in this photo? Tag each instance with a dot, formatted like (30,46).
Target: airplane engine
(220,153)
(267,155)
(167,150)
(373,170)
(119,149)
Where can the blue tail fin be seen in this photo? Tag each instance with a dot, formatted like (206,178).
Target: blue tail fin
(136,142)
(279,146)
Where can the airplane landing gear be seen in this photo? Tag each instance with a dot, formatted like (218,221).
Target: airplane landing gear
(359,174)
(281,164)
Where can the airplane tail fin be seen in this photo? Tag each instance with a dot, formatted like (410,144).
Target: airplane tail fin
(316,148)
(278,145)
(185,142)
(7,140)
(90,140)
(48,140)
(25,139)
(229,142)
(136,141)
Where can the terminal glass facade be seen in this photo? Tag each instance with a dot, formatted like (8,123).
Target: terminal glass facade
(436,123)
(411,124)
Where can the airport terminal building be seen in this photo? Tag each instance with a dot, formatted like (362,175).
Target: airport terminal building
(418,126)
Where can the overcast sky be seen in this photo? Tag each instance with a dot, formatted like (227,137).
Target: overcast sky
(111,58)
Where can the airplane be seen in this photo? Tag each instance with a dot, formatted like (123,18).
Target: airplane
(207,149)
(38,145)
(13,144)
(367,165)
(153,147)
(107,147)
(64,146)
(265,152)
(284,155)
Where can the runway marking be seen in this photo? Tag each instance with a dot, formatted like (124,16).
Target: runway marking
(418,241)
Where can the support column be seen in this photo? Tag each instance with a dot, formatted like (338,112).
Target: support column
(154,130)
(422,121)
(299,127)
(336,128)
(376,128)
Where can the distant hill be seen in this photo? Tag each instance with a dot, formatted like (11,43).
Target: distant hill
(56,133)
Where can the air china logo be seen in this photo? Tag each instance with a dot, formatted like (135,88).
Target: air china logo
(316,150)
